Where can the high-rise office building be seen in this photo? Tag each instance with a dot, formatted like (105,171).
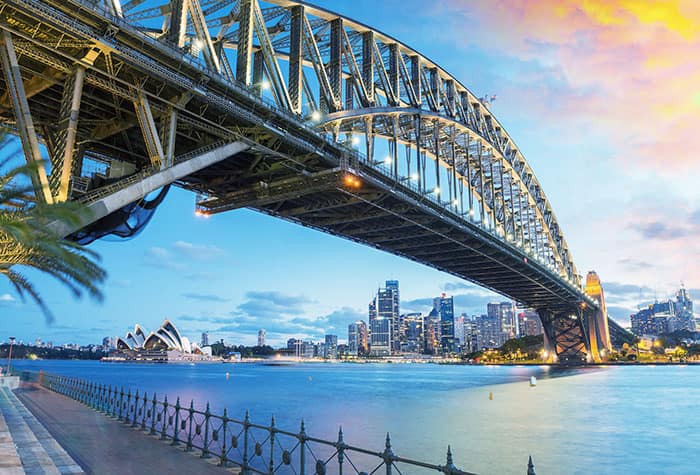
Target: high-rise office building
(357,338)
(384,321)
(331,348)
(413,338)
(432,329)
(393,287)
(529,323)
(507,314)
(261,337)
(444,305)
(489,331)
(205,340)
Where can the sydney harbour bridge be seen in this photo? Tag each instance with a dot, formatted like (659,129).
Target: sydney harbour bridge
(296,112)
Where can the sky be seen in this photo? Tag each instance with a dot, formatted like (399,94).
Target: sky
(601,96)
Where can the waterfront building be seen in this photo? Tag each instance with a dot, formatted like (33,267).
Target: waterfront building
(261,337)
(357,338)
(471,335)
(459,330)
(444,305)
(164,344)
(508,324)
(489,331)
(384,321)
(432,329)
(413,338)
(205,339)
(393,286)
(654,320)
(529,323)
(331,347)
(683,307)
(107,343)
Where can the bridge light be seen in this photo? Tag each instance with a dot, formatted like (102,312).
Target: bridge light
(387,160)
(265,85)
(197,45)
(355,140)
(436,190)
(455,201)
(415,177)
(316,116)
(471,212)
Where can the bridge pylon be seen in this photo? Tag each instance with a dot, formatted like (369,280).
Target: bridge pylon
(597,328)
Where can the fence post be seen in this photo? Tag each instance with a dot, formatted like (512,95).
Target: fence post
(134,416)
(189,430)
(176,430)
(341,450)
(144,410)
(163,434)
(246,424)
(153,415)
(205,449)
(121,404)
(113,399)
(302,449)
(128,406)
(272,445)
(222,460)
(388,455)
(449,465)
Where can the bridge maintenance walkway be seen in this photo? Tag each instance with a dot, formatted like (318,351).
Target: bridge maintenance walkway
(96,442)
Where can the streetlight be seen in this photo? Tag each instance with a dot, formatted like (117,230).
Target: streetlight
(9,356)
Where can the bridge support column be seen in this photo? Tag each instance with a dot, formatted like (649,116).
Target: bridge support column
(565,333)
(23,116)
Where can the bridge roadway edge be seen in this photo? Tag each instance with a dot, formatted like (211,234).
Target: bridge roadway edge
(102,445)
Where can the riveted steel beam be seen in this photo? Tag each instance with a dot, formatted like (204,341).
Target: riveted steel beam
(23,117)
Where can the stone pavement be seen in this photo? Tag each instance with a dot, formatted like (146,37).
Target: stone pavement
(102,445)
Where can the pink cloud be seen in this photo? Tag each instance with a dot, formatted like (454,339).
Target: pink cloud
(630,69)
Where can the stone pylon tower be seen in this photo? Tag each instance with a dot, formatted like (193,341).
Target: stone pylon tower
(597,320)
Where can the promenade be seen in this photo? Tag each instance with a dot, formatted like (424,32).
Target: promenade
(73,439)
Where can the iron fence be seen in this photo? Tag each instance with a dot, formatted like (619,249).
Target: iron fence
(253,448)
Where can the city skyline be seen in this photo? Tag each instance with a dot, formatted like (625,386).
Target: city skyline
(229,274)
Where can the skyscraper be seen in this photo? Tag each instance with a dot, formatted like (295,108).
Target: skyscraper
(444,306)
(357,338)
(413,338)
(384,321)
(331,349)
(261,337)
(432,331)
(205,339)
(393,287)
(529,323)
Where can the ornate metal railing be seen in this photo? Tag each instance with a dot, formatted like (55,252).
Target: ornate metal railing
(253,448)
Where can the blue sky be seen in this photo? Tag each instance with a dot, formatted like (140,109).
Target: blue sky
(626,213)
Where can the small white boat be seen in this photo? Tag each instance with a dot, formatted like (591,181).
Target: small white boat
(533,381)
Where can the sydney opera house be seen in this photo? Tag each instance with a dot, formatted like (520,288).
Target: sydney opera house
(166,344)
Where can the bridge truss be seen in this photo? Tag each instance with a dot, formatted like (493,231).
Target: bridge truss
(336,126)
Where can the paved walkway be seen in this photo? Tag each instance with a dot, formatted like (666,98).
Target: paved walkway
(102,445)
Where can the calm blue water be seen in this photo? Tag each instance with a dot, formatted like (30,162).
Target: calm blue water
(613,420)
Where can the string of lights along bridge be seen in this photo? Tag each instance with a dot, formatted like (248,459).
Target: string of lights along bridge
(294,111)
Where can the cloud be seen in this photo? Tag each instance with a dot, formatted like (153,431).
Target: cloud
(660,230)
(6,298)
(200,252)
(205,297)
(173,257)
(634,264)
(161,258)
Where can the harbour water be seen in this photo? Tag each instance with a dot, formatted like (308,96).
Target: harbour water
(608,420)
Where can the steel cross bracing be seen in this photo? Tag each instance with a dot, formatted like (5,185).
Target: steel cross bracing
(133,85)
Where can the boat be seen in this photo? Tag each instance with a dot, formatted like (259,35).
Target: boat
(533,381)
